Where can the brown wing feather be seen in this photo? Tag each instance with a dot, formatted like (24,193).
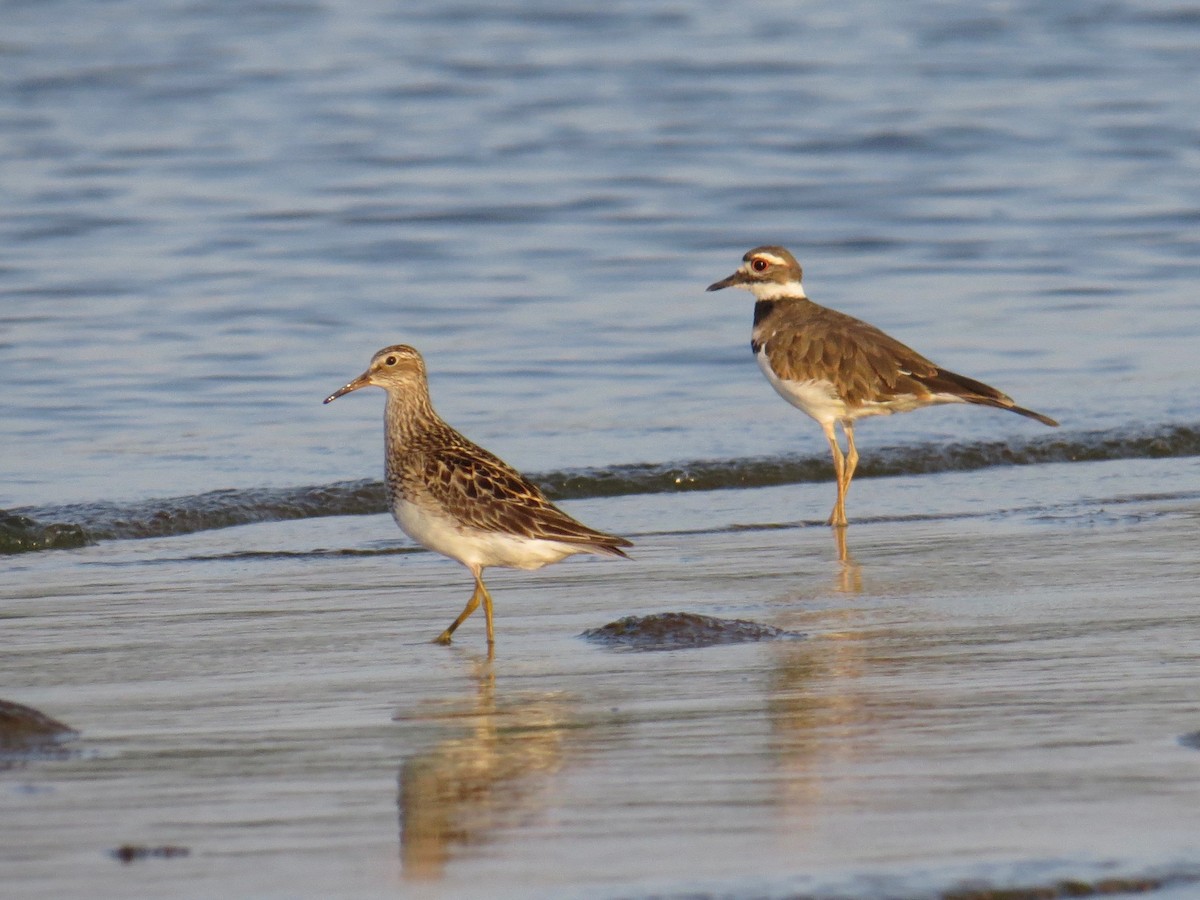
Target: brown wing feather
(488,494)
(807,341)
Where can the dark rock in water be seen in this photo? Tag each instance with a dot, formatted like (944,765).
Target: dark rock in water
(681,631)
(1191,740)
(28,734)
(128,853)
(1106,887)
(21,534)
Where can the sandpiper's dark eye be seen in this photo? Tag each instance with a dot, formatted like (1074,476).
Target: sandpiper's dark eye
(758,265)
(391,361)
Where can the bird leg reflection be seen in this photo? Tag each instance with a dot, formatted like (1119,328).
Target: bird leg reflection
(850,577)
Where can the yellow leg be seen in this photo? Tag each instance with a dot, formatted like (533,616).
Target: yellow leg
(487,610)
(472,605)
(837,518)
(480,593)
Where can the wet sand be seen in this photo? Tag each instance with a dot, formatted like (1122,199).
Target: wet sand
(992,691)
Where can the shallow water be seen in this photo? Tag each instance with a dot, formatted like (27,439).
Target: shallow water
(995,695)
(211,215)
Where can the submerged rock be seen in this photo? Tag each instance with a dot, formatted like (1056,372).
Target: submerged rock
(26,733)
(1191,740)
(681,631)
(1106,887)
(128,853)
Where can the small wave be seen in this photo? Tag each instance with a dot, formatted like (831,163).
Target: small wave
(1163,442)
(76,525)
(46,528)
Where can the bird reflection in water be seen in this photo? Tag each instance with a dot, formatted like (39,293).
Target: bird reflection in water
(850,575)
(493,773)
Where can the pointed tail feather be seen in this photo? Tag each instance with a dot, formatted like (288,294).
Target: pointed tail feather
(1045,420)
(972,391)
(597,542)
(610,549)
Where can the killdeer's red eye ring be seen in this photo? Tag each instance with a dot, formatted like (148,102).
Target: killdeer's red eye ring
(758,265)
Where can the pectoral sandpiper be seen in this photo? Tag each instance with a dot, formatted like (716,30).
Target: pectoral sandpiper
(456,498)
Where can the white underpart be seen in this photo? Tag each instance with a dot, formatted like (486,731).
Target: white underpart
(905,403)
(774,290)
(817,398)
(444,535)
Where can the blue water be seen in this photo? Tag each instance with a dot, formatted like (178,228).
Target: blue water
(212,214)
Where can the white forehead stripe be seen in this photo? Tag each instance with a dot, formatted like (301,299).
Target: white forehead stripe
(771,258)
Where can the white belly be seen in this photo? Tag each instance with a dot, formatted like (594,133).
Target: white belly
(443,535)
(818,398)
(815,397)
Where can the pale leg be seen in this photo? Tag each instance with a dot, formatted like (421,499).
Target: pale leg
(851,461)
(837,518)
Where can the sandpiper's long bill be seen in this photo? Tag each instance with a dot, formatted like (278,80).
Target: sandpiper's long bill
(456,498)
(838,369)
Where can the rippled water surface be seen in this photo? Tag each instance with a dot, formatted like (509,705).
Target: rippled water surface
(211,215)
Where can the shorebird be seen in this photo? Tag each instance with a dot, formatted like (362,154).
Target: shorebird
(457,499)
(838,369)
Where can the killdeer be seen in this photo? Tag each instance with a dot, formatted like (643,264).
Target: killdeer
(838,369)
(456,498)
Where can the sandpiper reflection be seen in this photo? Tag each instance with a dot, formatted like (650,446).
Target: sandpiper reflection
(491,774)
